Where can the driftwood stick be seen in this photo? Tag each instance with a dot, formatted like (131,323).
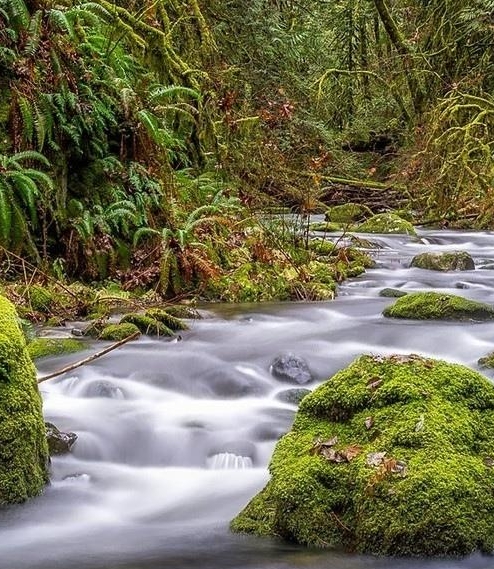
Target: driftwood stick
(89,359)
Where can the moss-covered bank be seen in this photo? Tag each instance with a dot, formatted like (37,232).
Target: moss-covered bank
(23,447)
(392,456)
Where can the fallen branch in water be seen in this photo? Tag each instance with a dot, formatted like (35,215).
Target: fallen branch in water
(89,359)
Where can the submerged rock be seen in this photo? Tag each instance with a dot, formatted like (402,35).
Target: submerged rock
(147,325)
(487,361)
(103,388)
(291,368)
(293,396)
(23,447)
(451,261)
(438,306)
(386,223)
(392,456)
(392,293)
(58,442)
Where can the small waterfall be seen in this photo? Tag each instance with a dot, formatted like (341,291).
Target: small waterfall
(228,461)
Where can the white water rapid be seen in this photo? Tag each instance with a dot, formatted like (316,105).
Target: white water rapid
(174,438)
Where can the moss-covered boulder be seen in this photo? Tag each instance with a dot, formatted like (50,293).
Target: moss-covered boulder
(327,227)
(348,213)
(450,261)
(42,347)
(147,325)
(118,332)
(167,319)
(23,446)
(392,456)
(438,306)
(386,223)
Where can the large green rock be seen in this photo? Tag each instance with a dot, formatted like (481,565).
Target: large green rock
(450,261)
(438,306)
(386,223)
(348,213)
(23,446)
(392,456)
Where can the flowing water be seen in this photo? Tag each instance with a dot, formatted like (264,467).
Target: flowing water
(175,437)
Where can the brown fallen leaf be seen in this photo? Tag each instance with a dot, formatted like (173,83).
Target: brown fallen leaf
(375,458)
(351,452)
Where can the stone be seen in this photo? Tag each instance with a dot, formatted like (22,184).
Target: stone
(392,293)
(118,332)
(23,447)
(58,442)
(438,306)
(387,223)
(450,261)
(293,396)
(394,455)
(348,213)
(291,368)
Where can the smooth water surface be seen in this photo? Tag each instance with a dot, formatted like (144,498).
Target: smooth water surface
(175,437)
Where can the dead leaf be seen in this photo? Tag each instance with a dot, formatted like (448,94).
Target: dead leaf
(369,423)
(489,461)
(351,452)
(420,424)
(373,385)
(375,458)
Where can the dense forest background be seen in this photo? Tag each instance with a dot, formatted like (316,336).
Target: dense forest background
(150,142)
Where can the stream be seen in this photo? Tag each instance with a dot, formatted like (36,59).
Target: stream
(175,437)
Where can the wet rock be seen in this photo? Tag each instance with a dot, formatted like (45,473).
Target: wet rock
(417,483)
(102,388)
(348,213)
(58,442)
(487,361)
(268,431)
(291,368)
(388,223)
(450,261)
(293,396)
(392,293)
(231,383)
(438,306)
(23,447)
(118,332)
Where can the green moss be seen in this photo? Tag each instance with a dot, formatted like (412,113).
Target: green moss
(328,227)
(348,213)
(386,223)
(321,246)
(430,494)
(147,325)
(167,319)
(42,347)
(117,332)
(451,261)
(39,297)
(23,447)
(438,306)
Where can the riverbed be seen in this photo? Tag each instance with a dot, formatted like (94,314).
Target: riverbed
(174,438)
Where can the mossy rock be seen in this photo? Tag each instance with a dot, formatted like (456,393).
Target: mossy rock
(327,227)
(118,332)
(487,361)
(348,213)
(147,325)
(42,347)
(167,319)
(386,223)
(438,306)
(183,311)
(451,261)
(23,446)
(392,456)
(392,293)
(321,246)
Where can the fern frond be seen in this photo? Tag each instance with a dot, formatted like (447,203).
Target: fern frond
(34,34)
